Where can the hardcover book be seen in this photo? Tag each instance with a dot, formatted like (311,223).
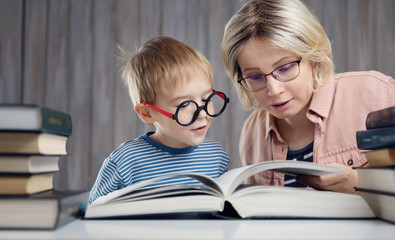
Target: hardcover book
(25,163)
(227,196)
(377,178)
(30,117)
(381,157)
(382,203)
(376,138)
(381,118)
(33,143)
(47,210)
(25,183)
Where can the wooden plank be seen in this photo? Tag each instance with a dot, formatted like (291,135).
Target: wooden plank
(173,19)
(11,51)
(236,112)
(126,23)
(149,26)
(150,19)
(385,33)
(34,51)
(102,85)
(196,24)
(79,174)
(361,54)
(334,27)
(218,16)
(56,79)
(233,118)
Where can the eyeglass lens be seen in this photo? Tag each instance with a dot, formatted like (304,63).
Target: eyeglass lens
(283,73)
(188,111)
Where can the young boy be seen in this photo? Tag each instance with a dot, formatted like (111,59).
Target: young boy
(170,85)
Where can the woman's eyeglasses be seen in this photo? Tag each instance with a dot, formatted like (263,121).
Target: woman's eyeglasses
(188,111)
(284,73)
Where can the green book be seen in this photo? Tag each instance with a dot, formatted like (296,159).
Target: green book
(34,118)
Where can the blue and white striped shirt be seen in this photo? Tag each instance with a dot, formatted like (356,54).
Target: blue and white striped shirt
(143,158)
(304,154)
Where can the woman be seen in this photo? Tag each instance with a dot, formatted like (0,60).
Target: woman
(280,60)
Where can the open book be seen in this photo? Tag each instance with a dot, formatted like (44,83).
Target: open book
(228,191)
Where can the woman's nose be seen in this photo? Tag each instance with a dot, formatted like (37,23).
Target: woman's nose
(274,87)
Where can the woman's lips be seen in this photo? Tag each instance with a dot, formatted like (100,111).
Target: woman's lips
(280,105)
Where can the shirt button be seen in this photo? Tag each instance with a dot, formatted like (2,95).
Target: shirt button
(350,162)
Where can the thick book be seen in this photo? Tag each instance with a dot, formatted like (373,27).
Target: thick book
(381,118)
(33,143)
(24,184)
(47,210)
(381,157)
(25,163)
(377,138)
(228,196)
(382,203)
(30,117)
(377,178)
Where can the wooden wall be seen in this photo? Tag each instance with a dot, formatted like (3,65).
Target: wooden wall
(61,53)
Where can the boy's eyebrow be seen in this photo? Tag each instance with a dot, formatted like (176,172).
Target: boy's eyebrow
(187,97)
(177,99)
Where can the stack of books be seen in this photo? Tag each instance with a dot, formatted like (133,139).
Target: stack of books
(32,139)
(377,182)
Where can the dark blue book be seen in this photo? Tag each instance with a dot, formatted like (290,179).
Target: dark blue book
(376,138)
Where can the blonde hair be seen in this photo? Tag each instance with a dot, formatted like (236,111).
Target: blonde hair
(287,24)
(160,64)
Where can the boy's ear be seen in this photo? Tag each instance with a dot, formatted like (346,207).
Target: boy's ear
(144,113)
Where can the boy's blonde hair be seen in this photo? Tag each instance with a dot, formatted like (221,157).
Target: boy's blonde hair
(160,64)
(287,24)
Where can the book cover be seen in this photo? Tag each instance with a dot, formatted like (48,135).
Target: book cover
(381,118)
(245,201)
(46,210)
(26,163)
(33,143)
(30,117)
(377,138)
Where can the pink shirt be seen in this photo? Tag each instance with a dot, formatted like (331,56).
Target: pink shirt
(338,110)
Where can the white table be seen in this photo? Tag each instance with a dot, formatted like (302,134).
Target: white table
(213,229)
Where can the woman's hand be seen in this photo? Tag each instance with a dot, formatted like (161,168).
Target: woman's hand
(343,183)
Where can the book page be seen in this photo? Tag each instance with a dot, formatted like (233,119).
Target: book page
(200,177)
(230,180)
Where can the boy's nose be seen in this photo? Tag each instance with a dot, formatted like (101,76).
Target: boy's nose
(202,113)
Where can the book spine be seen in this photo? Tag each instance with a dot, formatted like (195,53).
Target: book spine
(381,118)
(70,208)
(373,139)
(56,122)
